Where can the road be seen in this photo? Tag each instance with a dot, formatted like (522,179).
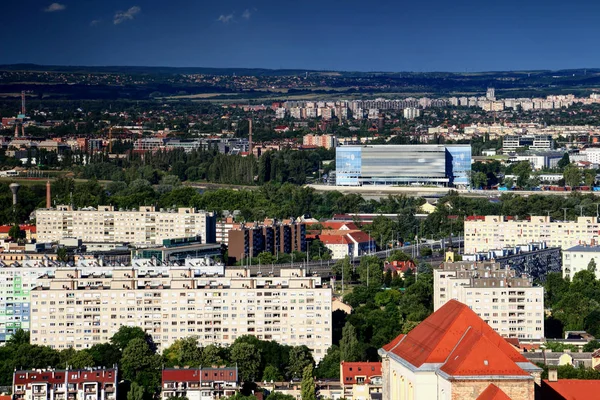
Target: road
(324,268)
(377,192)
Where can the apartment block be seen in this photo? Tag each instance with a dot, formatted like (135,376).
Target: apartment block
(52,384)
(578,258)
(106,224)
(272,236)
(361,380)
(509,303)
(327,141)
(200,383)
(73,309)
(483,233)
(16,282)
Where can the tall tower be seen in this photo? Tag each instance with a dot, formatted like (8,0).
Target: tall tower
(23,103)
(491,94)
(14,188)
(250,136)
(48,195)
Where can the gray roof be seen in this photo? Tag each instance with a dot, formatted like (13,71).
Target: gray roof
(588,249)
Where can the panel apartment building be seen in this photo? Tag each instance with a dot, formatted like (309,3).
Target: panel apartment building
(483,233)
(146,226)
(511,305)
(272,236)
(76,310)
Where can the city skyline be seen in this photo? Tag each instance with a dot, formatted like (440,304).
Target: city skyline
(437,36)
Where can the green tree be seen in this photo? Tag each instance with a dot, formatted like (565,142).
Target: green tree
(564,161)
(272,373)
(479,180)
(184,352)
(62,254)
(589,177)
(105,354)
(213,355)
(136,392)
(523,171)
(125,335)
(572,175)
(16,232)
(140,365)
(248,359)
(371,267)
(343,268)
(308,384)
(349,346)
(591,346)
(592,265)
(299,358)
(329,366)
(81,359)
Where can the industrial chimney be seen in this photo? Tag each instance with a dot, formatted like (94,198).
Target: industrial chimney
(250,136)
(48,195)
(14,188)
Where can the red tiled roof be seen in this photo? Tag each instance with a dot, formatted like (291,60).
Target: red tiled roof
(6,228)
(350,370)
(228,374)
(339,225)
(399,266)
(360,237)
(334,239)
(573,389)
(394,342)
(476,355)
(8,397)
(434,339)
(493,392)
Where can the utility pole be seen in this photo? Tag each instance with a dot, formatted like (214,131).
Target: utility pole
(597,216)
(580,210)
(565,213)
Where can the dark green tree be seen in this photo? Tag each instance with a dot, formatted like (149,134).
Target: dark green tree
(308,384)
(349,346)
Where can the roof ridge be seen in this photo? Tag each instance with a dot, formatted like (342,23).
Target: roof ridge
(458,343)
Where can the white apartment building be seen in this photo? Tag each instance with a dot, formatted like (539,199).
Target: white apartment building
(483,233)
(509,304)
(75,309)
(577,258)
(105,224)
(411,113)
(592,154)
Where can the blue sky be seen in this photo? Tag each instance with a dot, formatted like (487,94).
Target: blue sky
(434,35)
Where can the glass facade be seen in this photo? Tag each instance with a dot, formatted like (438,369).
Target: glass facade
(438,165)
(458,162)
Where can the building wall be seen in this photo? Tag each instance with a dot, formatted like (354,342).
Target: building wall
(72,311)
(514,312)
(495,232)
(575,261)
(514,389)
(145,226)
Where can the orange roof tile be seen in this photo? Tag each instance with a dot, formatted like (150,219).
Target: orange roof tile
(339,225)
(574,389)
(434,339)
(493,392)
(334,239)
(475,355)
(394,342)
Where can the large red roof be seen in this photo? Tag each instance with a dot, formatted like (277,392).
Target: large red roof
(571,389)
(475,355)
(360,237)
(351,370)
(339,225)
(435,339)
(493,392)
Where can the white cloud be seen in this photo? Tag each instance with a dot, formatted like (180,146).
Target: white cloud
(55,7)
(246,14)
(122,16)
(95,22)
(225,18)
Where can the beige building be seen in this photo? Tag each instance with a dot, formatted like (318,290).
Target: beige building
(509,304)
(578,258)
(72,309)
(496,232)
(105,224)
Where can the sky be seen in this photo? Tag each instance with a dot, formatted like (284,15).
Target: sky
(347,35)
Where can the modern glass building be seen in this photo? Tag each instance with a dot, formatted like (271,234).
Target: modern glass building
(426,164)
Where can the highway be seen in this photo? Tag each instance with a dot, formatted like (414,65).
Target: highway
(324,268)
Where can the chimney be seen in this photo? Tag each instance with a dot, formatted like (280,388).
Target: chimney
(48,195)
(552,374)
